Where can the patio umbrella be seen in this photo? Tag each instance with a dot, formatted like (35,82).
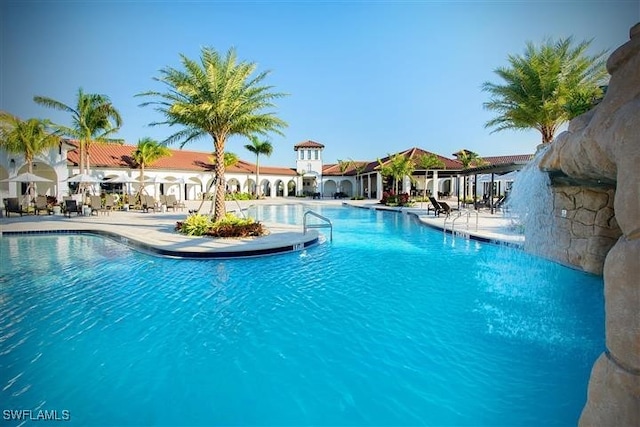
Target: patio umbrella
(29,178)
(83,178)
(121,179)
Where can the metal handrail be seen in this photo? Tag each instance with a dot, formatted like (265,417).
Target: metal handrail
(453,223)
(327,223)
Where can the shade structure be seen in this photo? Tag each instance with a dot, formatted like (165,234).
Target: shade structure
(121,179)
(27,177)
(83,177)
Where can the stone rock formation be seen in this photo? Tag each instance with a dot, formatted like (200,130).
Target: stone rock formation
(602,147)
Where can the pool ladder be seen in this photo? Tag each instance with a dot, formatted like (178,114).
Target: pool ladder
(461,214)
(325,224)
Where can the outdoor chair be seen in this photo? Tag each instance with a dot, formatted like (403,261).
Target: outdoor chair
(109,203)
(435,206)
(446,208)
(96,205)
(42,205)
(164,200)
(71,206)
(12,205)
(148,202)
(174,203)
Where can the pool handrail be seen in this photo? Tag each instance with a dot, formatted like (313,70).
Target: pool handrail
(326,224)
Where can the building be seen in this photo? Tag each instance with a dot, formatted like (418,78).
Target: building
(189,174)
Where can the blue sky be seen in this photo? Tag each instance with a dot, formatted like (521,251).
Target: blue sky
(364,78)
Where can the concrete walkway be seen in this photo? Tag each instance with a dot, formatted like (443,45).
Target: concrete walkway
(154,232)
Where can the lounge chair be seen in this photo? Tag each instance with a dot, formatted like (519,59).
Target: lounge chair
(71,206)
(96,205)
(164,201)
(12,205)
(109,203)
(171,199)
(42,205)
(446,208)
(148,202)
(435,206)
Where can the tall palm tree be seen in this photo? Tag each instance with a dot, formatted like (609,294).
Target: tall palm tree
(359,167)
(343,165)
(30,138)
(93,119)
(397,168)
(258,147)
(469,159)
(146,153)
(230,159)
(217,97)
(542,88)
(426,162)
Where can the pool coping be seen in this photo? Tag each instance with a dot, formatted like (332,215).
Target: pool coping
(154,234)
(499,236)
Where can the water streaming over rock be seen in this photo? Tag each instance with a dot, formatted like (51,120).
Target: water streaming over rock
(530,205)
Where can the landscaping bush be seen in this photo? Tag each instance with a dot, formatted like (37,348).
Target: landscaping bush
(229,226)
(391,199)
(239,196)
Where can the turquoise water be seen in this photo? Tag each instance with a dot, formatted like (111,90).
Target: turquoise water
(391,324)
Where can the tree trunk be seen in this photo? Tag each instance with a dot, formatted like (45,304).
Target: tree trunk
(220,208)
(257,177)
(547,135)
(81,154)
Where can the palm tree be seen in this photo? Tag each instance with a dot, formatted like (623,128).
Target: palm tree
(426,162)
(397,168)
(94,118)
(543,88)
(343,165)
(469,159)
(217,97)
(30,138)
(230,159)
(147,152)
(258,147)
(359,168)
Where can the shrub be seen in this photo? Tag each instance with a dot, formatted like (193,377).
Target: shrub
(229,226)
(391,199)
(195,225)
(238,196)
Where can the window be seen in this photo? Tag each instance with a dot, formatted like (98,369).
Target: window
(316,152)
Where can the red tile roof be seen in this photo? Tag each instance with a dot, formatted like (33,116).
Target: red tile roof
(308,144)
(120,156)
(516,158)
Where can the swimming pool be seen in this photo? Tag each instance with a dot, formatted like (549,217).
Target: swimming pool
(389,324)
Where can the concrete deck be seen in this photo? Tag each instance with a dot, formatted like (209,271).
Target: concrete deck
(154,232)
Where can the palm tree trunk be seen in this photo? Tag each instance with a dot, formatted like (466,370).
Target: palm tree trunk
(220,208)
(81,153)
(547,134)
(257,176)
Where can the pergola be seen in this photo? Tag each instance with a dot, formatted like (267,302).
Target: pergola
(495,169)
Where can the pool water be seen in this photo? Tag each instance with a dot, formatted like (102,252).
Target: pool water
(389,324)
